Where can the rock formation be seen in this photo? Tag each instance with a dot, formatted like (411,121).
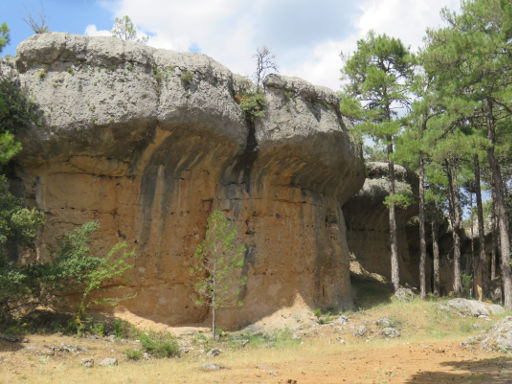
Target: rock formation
(368,224)
(148,142)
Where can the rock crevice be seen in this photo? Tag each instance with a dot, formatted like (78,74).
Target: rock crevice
(148,142)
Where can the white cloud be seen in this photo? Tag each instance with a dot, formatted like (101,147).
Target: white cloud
(306,37)
(91,30)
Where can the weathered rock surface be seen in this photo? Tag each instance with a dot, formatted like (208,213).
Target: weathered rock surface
(497,339)
(148,142)
(368,223)
(474,308)
(108,362)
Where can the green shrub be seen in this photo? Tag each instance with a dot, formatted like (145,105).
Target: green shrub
(186,78)
(133,354)
(160,345)
(252,104)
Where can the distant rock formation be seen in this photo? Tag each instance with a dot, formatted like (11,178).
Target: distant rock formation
(148,142)
(368,224)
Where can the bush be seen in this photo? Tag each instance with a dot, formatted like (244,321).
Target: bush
(252,104)
(133,354)
(160,345)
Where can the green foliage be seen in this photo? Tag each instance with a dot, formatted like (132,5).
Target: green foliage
(17,111)
(4,35)
(108,269)
(160,345)
(186,78)
(119,329)
(71,268)
(252,104)
(467,282)
(401,200)
(133,354)
(124,29)
(218,262)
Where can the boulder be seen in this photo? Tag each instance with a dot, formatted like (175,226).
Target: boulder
(390,332)
(497,339)
(108,362)
(87,362)
(474,308)
(405,295)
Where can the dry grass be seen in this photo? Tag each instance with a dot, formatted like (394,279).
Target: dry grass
(430,341)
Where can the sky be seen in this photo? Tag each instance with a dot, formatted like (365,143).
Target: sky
(306,36)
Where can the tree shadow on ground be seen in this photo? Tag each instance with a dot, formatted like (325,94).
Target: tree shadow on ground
(496,370)
(369,292)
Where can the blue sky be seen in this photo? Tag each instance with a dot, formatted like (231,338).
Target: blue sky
(305,36)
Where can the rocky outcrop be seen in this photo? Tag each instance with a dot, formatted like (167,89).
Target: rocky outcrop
(148,142)
(368,224)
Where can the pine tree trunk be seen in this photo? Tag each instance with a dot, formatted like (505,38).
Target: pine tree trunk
(456,216)
(395,274)
(423,244)
(483,263)
(501,213)
(435,256)
(214,302)
(494,237)
(471,257)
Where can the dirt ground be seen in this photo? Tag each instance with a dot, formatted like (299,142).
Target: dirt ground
(317,361)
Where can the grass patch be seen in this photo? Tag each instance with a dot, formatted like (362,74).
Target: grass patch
(161,345)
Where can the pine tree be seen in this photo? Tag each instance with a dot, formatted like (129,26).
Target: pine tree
(379,74)
(470,59)
(218,266)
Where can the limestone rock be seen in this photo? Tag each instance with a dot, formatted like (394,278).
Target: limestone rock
(108,362)
(368,224)
(341,320)
(87,362)
(404,294)
(208,367)
(149,142)
(213,352)
(497,339)
(390,332)
(475,308)
(384,322)
(361,331)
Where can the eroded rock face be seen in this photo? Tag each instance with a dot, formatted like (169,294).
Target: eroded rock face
(368,224)
(148,142)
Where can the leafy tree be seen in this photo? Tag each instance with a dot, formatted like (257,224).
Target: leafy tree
(124,29)
(218,266)
(379,74)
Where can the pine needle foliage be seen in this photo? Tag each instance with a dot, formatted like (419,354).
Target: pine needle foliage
(218,263)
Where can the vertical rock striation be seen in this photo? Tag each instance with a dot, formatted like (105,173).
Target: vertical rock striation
(148,142)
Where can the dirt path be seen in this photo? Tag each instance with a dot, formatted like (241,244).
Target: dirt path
(317,363)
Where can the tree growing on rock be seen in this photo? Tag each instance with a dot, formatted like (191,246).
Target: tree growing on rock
(265,62)
(124,29)
(218,266)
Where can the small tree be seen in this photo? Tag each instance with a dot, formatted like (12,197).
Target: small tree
(37,24)
(218,266)
(124,29)
(265,62)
